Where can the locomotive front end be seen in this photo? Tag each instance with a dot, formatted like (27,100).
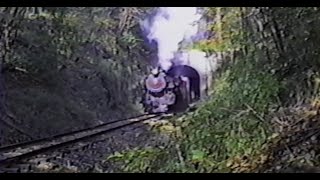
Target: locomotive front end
(159,92)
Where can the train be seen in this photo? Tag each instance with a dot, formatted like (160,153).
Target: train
(170,91)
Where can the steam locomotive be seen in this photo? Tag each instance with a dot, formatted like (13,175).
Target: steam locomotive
(165,93)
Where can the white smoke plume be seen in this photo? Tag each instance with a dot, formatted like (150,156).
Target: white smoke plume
(170,26)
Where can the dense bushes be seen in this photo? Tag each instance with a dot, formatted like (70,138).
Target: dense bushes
(230,125)
(274,63)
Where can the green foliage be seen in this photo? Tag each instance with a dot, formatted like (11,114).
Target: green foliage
(140,160)
(231,126)
(247,85)
(227,31)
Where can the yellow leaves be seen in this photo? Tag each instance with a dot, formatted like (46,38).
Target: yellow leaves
(246,164)
(106,23)
(168,128)
(315,103)
(274,136)
(215,42)
(151,123)
(317,80)
(229,163)
(310,114)
(156,123)
(263,158)
(237,165)
(226,29)
(171,129)
(179,132)
(234,162)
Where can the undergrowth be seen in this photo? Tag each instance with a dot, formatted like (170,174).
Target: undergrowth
(227,130)
(235,130)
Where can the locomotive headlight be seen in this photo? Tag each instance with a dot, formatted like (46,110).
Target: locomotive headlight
(155,71)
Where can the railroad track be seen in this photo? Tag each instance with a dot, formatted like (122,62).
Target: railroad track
(13,154)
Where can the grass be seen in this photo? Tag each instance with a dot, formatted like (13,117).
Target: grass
(226,134)
(240,129)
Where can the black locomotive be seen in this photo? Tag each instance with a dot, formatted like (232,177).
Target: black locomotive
(170,91)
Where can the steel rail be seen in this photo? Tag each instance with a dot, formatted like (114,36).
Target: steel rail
(27,143)
(62,143)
